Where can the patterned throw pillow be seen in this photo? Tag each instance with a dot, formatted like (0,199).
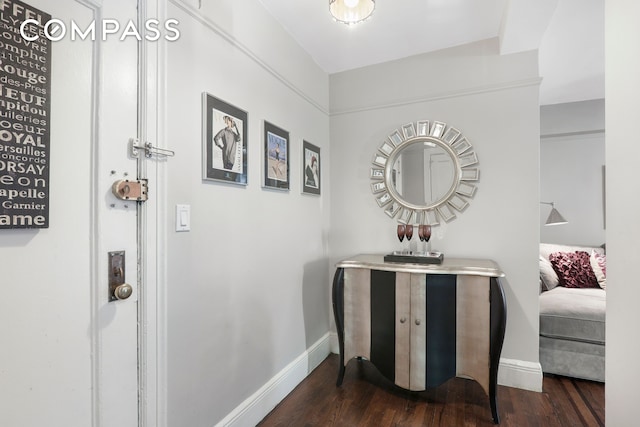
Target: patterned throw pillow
(599,266)
(574,269)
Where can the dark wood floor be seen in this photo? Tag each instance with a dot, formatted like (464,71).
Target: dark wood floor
(368,399)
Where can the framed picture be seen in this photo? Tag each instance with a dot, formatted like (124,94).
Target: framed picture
(224,141)
(276,157)
(310,168)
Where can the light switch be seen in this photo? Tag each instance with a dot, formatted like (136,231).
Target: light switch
(183,217)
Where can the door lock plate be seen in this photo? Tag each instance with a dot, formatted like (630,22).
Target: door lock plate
(118,289)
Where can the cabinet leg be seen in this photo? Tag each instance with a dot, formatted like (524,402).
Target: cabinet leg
(494,408)
(338,312)
(498,326)
(340,373)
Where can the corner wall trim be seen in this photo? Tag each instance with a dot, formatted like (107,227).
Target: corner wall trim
(260,403)
(596,132)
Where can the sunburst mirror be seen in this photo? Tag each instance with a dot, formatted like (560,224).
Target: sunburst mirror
(424,173)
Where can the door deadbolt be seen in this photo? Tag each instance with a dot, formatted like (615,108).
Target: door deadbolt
(118,289)
(125,189)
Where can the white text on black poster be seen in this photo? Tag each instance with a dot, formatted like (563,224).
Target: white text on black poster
(25,87)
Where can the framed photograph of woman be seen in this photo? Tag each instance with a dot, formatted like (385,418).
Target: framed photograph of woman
(310,168)
(224,145)
(276,157)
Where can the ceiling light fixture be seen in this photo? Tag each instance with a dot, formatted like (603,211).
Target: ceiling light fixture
(351,11)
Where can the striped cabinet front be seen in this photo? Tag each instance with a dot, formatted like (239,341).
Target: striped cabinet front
(419,330)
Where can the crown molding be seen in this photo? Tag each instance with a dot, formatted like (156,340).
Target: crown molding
(440,96)
(217,29)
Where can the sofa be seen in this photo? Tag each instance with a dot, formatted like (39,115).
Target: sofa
(572,310)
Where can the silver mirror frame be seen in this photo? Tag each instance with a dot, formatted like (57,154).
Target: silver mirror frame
(465,163)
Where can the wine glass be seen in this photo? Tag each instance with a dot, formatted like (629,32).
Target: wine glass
(408,232)
(424,232)
(401,232)
(427,232)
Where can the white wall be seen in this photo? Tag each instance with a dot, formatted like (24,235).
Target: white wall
(496,107)
(46,312)
(248,287)
(623,210)
(572,156)
(583,117)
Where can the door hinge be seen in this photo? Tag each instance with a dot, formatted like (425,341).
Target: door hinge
(125,189)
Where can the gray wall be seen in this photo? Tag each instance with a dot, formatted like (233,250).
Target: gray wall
(248,286)
(496,107)
(572,159)
(623,211)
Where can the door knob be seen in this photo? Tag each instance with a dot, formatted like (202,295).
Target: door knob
(123,291)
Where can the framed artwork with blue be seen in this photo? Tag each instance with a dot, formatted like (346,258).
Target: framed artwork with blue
(276,157)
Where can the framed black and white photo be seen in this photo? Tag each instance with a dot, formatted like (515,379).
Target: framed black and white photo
(310,168)
(276,157)
(224,145)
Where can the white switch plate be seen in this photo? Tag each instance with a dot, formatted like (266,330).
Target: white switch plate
(183,217)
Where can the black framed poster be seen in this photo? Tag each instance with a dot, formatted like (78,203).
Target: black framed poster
(224,145)
(310,168)
(276,157)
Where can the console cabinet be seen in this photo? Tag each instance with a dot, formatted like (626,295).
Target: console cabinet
(421,325)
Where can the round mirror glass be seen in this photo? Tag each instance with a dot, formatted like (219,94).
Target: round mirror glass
(423,173)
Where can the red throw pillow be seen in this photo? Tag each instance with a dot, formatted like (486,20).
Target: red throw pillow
(573,269)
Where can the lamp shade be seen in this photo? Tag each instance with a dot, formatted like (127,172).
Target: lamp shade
(555,218)
(351,11)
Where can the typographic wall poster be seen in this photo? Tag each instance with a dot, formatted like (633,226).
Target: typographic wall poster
(224,142)
(25,119)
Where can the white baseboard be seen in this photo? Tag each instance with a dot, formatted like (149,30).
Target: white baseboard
(511,373)
(257,406)
(520,374)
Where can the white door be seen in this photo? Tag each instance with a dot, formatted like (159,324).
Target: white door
(69,357)
(440,174)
